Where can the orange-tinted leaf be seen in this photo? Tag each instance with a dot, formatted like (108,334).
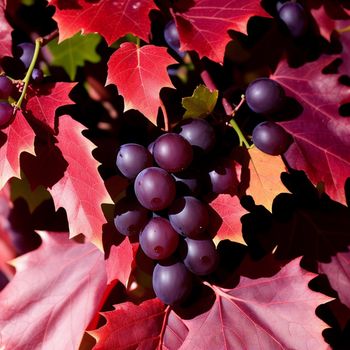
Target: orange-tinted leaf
(265,183)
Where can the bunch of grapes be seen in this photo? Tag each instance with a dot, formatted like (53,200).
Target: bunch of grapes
(266,96)
(166,206)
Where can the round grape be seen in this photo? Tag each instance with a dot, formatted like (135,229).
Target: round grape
(294,17)
(158,239)
(132,158)
(201,256)
(25,52)
(6,87)
(172,283)
(130,216)
(155,188)
(223,178)
(172,152)
(264,96)
(271,138)
(199,133)
(6,114)
(189,216)
(171,36)
(37,75)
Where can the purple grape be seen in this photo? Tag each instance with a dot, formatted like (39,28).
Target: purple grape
(189,216)
(172,283)
(155,188)
(6,87)
(264,96)
(158,239)
(223,178)
(25,52)
(37,75)
(6,114)
(199,133)
(271,138)
(172,152)
(201,256)
(171,36)
(133,158)
(131,216)
(294,17)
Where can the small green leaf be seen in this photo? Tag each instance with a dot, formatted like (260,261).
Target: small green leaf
(73,52)
(201,103)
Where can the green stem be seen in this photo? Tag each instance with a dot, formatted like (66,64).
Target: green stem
(26,79)
(138,42)
(242,139)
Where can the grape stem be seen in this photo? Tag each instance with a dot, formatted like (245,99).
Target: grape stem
(230,111)
(26,80)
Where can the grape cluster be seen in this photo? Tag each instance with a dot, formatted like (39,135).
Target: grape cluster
(166,206)
(266,96)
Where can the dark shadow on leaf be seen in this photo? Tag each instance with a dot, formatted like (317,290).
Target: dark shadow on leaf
(309,224)
(200,301)
(47,167)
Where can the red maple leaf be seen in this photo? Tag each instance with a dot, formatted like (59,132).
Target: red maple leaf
(325,23)
(275,312)
(124,16)
(43,103)
(140,73)
(124,253)
(203,27)
(321,135)
(52,298)
(5,32)
(338,272)
(81,191)
(18,137)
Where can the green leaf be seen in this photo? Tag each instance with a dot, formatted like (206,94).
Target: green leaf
(201,103)
(73,52)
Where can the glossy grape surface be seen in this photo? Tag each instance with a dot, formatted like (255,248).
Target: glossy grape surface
(271,138)
(171,36)
(155,188)
(189,216)
(133,158)
(171,283)
(6,113)
(264,96)
(201,257)
(172,152)
(199,133)
(37,75)
(6,87)
(294,17)
(130,216)
(158,239)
